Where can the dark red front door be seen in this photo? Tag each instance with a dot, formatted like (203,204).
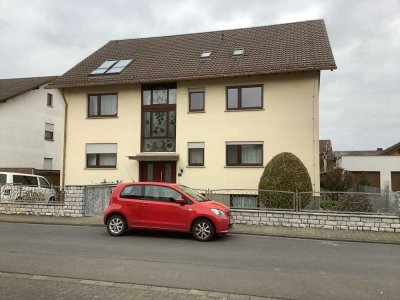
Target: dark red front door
(158,171)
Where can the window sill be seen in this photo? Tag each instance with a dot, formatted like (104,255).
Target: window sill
(196,112)
(244,109)
(101,168)
(105,117)
(49,140)
(195,167)
(255,167)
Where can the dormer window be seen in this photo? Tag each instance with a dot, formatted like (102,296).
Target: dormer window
(238,52)
(111,67)
(206,54)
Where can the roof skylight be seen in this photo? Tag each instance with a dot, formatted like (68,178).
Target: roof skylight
(206,54)
(238,52)
(111,67)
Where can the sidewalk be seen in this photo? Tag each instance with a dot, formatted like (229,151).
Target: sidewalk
(27,286)
(307,233)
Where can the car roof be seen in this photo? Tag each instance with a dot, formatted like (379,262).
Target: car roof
(150,183)
(22,174)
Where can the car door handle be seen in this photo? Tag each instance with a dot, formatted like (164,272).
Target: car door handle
(144,205)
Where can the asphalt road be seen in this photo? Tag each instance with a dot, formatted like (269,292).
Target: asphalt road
(242,264)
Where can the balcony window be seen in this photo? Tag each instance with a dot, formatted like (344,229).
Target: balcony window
(158,118)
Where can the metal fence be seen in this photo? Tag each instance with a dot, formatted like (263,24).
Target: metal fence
(365,200)
(254,199)
(382,202)
(97,198)
(30,193)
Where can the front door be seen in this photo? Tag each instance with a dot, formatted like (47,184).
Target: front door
(158,171)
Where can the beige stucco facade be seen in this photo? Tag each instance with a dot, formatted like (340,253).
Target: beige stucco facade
(288,122)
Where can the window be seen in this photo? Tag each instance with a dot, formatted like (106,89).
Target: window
(111,67)
(49,132)
(159,96)
(132,192)
(244,154)
(244,97)
(50,100)
(196,100)
(25,180)
(48,163)
(196,154)
(119,66)
(43,183)
(160,193)
(238,52)
(206,54)
(101,155)
(102,105)
(158,118)
(3,178)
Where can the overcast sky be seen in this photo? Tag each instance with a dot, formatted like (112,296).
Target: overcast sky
(359,102)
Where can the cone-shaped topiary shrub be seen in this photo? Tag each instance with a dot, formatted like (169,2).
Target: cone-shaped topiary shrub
(285,172)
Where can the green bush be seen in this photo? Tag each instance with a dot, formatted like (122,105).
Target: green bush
(285,172)
(348,202)
(337,180)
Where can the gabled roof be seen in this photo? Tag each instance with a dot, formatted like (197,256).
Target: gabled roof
(378,152)
(301,46)
(391,148)
(10,88)
(339,154)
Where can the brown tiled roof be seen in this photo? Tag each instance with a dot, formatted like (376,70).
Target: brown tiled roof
(10,88)
(391,148)
(301,46)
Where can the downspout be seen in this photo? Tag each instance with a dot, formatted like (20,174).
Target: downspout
(65,138)
(315,139)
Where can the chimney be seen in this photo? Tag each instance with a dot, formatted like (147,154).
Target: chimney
(379,149)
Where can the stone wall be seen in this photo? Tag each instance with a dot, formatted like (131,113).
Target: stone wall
(318,220)
(73,205)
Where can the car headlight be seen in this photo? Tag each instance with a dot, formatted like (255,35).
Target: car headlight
(218,212)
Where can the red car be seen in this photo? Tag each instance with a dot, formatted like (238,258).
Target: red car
(165,206)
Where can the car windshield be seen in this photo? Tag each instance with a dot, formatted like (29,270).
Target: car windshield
(192,193)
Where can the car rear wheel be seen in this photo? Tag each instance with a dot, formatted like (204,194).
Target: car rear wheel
(116,225)
(203,230)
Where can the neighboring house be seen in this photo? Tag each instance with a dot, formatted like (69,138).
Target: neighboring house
(326,157)
(31,127)
(380,168)
(208,110)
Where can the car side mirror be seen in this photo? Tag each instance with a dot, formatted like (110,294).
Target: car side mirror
(180,201)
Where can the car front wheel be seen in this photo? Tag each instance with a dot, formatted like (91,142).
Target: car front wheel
(116,225)
(203,230)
